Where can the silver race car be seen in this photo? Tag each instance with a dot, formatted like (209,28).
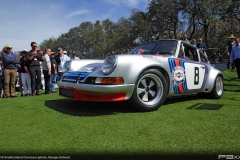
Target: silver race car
(145,77)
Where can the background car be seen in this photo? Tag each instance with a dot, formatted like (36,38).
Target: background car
(145,77)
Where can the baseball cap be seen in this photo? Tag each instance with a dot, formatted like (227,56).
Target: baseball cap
(8,46)
(65,52)
(59,48)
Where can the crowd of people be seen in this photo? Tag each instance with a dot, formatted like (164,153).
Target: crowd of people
(29,66)
(232,50)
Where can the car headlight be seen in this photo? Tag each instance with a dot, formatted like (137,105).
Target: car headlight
(109,64)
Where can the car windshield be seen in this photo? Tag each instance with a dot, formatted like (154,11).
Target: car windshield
(166,48)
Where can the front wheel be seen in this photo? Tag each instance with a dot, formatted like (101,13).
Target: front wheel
(150,91)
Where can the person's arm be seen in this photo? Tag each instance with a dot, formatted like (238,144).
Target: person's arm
(41,56)
(205,46)
(48,63)
(29,56)
(55,68)
(232,56)
(7,59)
(227,51)
(16,61)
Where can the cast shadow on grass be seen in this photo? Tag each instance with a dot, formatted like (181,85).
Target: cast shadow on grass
(201,106)
(232,90)
(231,85)
(171,100)
(77,108)
(231,79)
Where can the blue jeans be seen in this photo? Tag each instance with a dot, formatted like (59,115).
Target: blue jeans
(53,82)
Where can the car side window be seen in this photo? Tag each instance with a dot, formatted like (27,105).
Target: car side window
(203,57)
(195,55)
(181,52)
(190,52)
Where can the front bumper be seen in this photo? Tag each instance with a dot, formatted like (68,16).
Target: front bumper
(97,93)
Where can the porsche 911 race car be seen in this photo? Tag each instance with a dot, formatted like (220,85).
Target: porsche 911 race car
(145,77)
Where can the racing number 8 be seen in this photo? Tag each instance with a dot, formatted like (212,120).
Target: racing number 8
(196,76)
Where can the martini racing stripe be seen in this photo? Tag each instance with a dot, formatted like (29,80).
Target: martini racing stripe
(177,68)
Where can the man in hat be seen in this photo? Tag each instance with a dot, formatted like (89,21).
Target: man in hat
(61,58)
(10,64)
(74,56)
(229,45)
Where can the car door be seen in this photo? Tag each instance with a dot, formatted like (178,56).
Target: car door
(188,74)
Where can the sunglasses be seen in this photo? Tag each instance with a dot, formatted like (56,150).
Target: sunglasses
(9,48)
(34,46)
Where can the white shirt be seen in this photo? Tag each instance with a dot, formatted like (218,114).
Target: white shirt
(45,61)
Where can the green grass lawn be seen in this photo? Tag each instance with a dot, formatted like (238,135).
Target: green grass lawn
(52,125)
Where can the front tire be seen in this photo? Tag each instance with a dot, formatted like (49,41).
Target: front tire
(150,91)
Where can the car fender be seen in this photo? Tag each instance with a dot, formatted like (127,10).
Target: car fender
(213,73)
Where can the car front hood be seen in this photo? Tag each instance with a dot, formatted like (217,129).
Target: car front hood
(81,73)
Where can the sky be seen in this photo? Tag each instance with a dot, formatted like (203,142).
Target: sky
(26,21)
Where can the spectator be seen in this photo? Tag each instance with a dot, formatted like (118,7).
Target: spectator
(235,56)
(46,65)
(1,78)
(202,46)
(194,43)
(184,38)
(61,59)
(9,63)
(33,58)
(74,56)
(65,53)
(25,75)
(53,77)
(229,45)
